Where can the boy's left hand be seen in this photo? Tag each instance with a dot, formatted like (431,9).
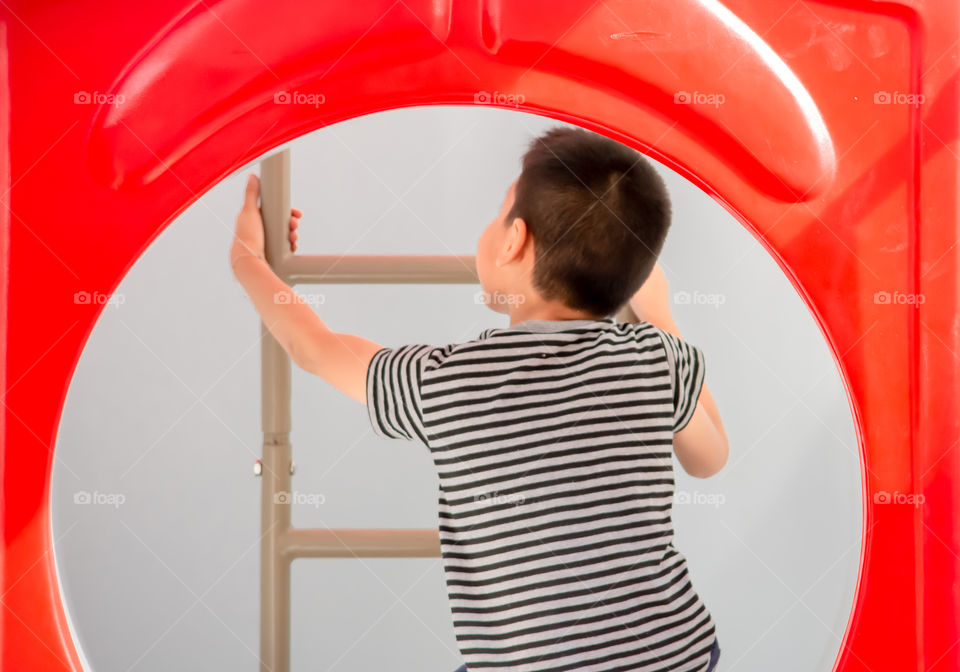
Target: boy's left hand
(249,233)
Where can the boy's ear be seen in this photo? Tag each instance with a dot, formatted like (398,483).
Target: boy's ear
(514,242)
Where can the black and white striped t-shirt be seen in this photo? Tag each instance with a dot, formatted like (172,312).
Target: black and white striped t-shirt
(553,445)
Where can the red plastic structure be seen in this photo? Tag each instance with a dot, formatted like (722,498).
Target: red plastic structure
(828,128)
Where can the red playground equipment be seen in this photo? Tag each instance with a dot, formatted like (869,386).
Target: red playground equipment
(829,128)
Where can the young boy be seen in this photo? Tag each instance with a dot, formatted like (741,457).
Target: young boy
(551,437)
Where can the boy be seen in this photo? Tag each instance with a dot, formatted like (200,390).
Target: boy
(551,437)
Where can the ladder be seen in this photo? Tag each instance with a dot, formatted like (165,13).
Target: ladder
(280,542)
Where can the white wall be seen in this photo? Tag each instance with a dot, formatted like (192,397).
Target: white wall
(164,411)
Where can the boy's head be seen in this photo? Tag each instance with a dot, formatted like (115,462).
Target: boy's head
(581,227)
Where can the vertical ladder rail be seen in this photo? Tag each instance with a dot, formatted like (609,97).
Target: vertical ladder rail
(275,418)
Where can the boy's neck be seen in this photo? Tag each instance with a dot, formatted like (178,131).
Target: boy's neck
(548,311)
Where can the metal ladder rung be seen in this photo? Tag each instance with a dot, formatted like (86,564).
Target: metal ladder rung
(378,269)
(364,543)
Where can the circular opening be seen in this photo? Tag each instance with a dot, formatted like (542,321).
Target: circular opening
(156,509)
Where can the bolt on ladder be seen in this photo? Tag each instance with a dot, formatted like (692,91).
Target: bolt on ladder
(280,542)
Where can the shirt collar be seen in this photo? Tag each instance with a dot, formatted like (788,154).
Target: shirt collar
(545,326)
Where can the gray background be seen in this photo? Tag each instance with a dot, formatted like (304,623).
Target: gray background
(164,413)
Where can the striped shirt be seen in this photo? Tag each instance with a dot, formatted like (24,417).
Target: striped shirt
(553,445)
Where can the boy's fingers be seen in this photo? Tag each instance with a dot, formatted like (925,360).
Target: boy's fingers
(252,192)
(294,223)
(296,212)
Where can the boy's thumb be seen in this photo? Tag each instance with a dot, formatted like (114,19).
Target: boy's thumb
(252,192)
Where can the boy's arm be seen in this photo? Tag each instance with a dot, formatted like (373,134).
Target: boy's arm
(701,446)
(340,359)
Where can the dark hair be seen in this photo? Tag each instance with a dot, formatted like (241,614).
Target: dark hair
(598,212)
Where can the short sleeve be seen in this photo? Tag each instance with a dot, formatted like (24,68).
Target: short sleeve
(394,379)
(687,369)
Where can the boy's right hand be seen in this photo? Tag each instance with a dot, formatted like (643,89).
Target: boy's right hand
(651,303)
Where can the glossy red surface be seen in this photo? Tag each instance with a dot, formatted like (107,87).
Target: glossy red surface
(801,118)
